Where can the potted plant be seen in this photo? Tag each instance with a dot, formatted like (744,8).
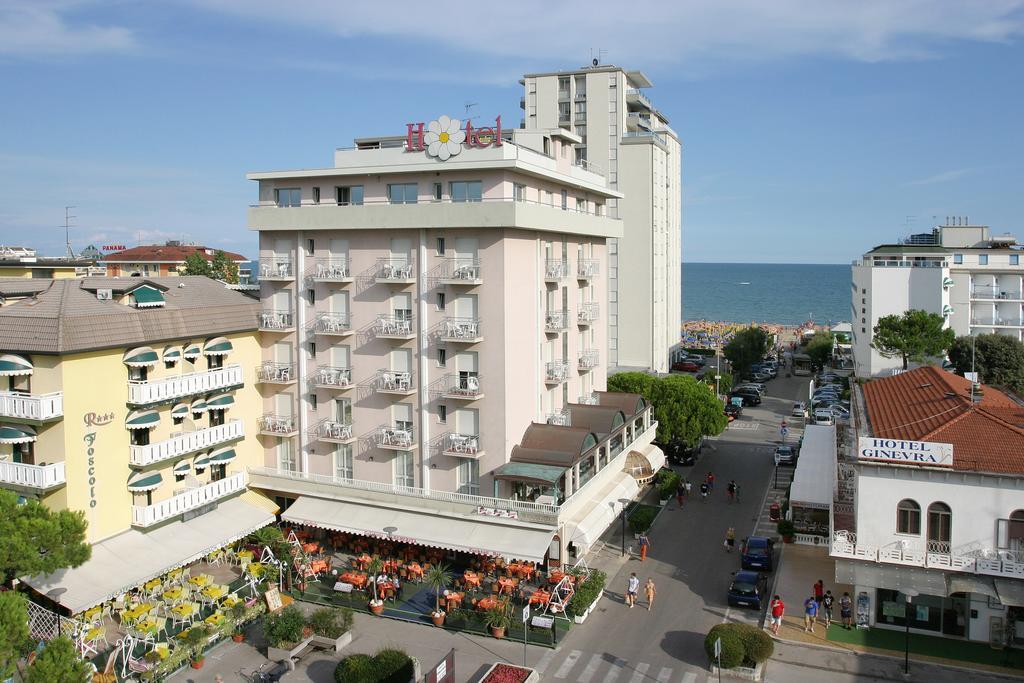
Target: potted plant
(374,568)
(196,641)
(439,579)
(498,619)
(786,529)
(238,617)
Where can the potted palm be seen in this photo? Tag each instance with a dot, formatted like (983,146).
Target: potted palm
(238,617)
(438,578)
(498,619)
(196,641)
(374,568)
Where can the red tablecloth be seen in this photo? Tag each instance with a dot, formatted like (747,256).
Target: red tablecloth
(540,597)
(487,603)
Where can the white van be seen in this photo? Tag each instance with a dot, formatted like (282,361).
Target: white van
(824,416)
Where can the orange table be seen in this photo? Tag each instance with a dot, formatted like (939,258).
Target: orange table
(507,585)
(558,576)
(391,566)
(357,580)
(471,579)
(453,599)
(362,561)
(540,597)
(311,548)
(486,603)
(415,569)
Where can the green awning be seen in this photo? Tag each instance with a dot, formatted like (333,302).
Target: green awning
(181,410)
(140,482)
(218,346)
(147,297)
(201,461)
(141,357)
(16,434)
(142,419)
(183,467)
(222,456)
(191,351)
(12,364)
(529,472)
(199,406)
(172,354)
(220,402)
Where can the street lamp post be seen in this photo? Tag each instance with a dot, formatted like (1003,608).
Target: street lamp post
(909,594)
(624,502)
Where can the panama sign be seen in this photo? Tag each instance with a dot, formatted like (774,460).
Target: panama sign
(905,452)
(445,137)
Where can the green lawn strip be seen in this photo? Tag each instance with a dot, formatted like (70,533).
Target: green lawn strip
(930,646)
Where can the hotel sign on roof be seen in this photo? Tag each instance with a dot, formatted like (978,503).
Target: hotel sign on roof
(445,137)
(872,449)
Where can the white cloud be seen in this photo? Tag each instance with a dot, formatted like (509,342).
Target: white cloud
(42,28)
(944,177)
(681,32)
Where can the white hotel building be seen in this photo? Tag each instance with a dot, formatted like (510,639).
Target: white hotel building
(623,135)
(434,348)
(947,526)
(974,280)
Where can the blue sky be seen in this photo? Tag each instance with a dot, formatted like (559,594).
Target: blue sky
(812,130)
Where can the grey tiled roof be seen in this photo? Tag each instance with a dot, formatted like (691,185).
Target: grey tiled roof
(65,316)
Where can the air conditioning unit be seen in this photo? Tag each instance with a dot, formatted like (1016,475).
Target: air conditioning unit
(104,294)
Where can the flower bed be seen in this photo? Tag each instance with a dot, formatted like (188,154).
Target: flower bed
(507,673)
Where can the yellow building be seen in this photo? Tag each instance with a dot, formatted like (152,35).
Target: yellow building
(133,401)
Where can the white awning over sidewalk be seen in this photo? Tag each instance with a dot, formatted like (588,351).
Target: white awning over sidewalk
(127,560)
(814,481)
(586,524)
(485,536)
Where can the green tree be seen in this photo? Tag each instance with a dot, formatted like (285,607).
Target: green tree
(224,269)
(195,264)
(59,663)
(632,383)
(13,631)
(820,348)
(685,409)
(997,358)
(746,348)
(36,540)
(914,336)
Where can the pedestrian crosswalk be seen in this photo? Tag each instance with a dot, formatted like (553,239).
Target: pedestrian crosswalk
(605,668)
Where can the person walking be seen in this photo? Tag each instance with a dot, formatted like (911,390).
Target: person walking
(681,492)
(778,611)
(846,610)
(704,490)
(826,604)
(810,614)
(645,545)
(819,593)
(730,539)
(651,591)
(632,586)
(730,490)
(710,479)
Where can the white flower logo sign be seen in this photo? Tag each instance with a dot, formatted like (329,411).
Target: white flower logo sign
(444,137)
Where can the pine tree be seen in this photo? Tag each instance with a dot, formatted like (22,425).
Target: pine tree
(59,663)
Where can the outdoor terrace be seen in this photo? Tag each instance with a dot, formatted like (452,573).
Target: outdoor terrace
(32,407)
(184,443)
(148,515)
(41,477)
(933,556)
(144,392)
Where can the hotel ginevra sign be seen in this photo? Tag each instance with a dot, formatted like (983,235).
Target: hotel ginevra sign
(872,449)
(445,137)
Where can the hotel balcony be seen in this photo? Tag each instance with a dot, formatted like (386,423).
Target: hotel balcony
(461,330)
(588,400)
(32,407)
(987,294)
(395,271)
(556,321)
(588,269)
(556,372)
(996,321)
(276,373)
(394,327)
(462,387)
(461,271)
(278,425)
(330,377)
(555,270)
(461,445)
(178,386)
(276,269)
(148,515)
(398,382)
(183,443)
(277,321)
(636,96)
(560,419)
(588,313)
(392,438)
(40,477)
(588,360)
(638,121)
(333,432)
(333,325)
(332,270)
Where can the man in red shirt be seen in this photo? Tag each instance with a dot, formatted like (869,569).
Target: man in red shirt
(778,610)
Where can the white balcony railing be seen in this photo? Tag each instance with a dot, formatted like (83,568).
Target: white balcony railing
(333,323)
(587,269)
(32,476)
(461,329)
(178,386)
(556,321)
(461,445)
(588,399)
(276,268)
(332,430)
(394,382)
(275,373)
(461,271)
(588,313)
(997,321)
(395,438)
(330,377)
(276,321)
(186,442)
(332,270)
(277,425)
(934,556)
(31,406)
(556,269)
(148,515)
(589,359)
(394,270)
(994,295)
(561,419)
(556,371)
(394,326)
(467,387)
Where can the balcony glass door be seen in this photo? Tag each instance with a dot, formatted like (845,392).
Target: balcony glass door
(469,477)
(343,410)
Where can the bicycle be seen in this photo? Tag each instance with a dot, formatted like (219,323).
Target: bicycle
(260,676)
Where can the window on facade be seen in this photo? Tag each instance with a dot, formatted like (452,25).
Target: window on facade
(404,469)
(466,190)
(316,195)
(442,357)
(312,401)
(24,453)
(940,524)
(310,247)
(402,193)
(437,192)
(469,477)
(311,297)
(958,258)
(139,437)
(581,205)
(214,362)
(218,472)
(563,86)
(343,461)
(519,192)
(982,259)
(288,196)
(138,374)
(349,195)
(563,111)
(442,413)
(286,455)
(216,417)
(440,301)
(440,246)
(1014,259)
(546,146)
(565,200)
(580,156)
(908,517)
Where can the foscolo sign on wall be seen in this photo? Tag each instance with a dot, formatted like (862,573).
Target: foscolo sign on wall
(905,452)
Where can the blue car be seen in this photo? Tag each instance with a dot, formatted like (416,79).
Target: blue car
(757,552)
(748,589)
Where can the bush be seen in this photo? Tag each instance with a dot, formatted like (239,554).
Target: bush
(284,627)
(668,484)
(393,666)
(587,592)
(733,651)
(331,622)
(355,669)
(786,528)
(758,646)
(641,517)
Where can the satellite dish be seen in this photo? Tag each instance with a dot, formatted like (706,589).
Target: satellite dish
(595,61)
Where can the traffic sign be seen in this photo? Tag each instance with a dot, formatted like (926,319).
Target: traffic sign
(783,430)
(526,614)
(718,648)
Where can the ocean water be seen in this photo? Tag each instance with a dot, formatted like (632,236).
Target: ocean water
(787,294)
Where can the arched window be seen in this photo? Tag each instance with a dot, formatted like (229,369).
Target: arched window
(940,524)
(908,517)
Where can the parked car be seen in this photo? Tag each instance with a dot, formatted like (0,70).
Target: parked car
(748,589)
(840,412)
(761,377)
(824,416)
(749,396)
(757,385)
(685,366)
(757,552)
(799,410)
(785,455)
(732,411)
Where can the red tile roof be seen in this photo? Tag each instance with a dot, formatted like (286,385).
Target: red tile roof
(164,253)
(929,404)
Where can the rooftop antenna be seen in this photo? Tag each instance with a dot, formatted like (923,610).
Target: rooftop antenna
(468,106)
(67,231)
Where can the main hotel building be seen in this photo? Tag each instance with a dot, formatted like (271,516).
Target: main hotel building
(433,347)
